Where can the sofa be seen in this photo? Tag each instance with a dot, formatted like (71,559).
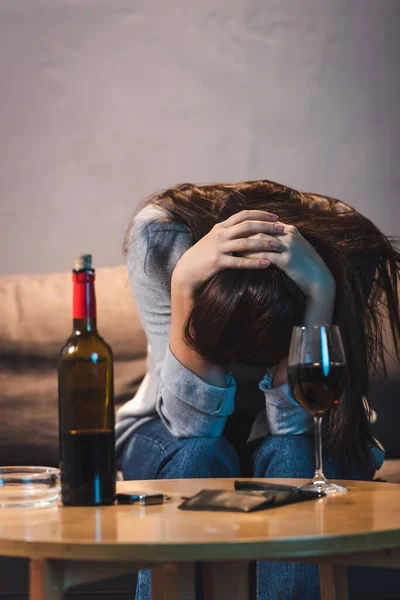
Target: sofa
(35,320)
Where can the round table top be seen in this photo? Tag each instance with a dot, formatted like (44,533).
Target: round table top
(366,518)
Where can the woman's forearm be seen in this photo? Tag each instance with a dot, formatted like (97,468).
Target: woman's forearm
(320,305)
(319,311)
(181,304)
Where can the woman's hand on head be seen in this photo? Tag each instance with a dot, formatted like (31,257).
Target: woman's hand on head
(254,239)
(230,244)
(299,260)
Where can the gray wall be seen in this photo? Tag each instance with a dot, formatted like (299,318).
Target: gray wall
(103,102)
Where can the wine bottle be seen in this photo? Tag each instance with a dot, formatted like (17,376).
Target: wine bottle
(86,401)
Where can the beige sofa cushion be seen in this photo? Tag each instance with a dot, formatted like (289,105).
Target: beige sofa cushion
(36,313)
(29,406)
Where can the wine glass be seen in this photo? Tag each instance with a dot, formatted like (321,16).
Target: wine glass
(316,375)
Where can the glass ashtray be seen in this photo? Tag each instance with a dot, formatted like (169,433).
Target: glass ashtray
(29,486)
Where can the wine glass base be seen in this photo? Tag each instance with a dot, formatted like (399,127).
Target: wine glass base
(327,488)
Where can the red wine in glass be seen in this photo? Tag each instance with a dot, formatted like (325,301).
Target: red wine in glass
(316,388)
(316,376)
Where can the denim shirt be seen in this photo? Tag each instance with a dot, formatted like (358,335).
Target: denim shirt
(188,406)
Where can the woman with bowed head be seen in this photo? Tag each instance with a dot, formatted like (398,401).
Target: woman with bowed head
(221,274)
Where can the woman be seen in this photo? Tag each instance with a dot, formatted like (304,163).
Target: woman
(221,274)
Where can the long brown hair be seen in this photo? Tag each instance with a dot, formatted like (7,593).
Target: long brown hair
(249,315)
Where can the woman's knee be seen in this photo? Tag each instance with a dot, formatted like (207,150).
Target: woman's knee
(200,458)
(294,456)
(285,456)
(153,452)
(141,458)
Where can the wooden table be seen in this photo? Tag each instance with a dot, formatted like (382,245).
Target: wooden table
(70,546)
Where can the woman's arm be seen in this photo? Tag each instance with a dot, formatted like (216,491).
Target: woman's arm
(188,405)
(318,310)
(181,305)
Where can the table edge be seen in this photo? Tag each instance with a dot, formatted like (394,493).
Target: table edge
(224,550)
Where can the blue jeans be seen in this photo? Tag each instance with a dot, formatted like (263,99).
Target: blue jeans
(153,453)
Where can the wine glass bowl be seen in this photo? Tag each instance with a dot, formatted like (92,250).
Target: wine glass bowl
(316,376)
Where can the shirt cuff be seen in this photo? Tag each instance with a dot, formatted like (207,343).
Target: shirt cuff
(284,415)
(191,389)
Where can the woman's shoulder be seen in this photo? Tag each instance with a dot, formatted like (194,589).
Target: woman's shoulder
(154,218)
(153,227)
(156,241)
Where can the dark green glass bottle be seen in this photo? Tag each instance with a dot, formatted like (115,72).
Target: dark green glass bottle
(86,402)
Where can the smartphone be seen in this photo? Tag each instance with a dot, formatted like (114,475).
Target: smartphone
(141,497)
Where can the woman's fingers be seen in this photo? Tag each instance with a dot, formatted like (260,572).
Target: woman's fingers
(258,256)
(250,240)
(240,262)
(259,260)
(279,259)
(249,215)
(250,228)
(262,243)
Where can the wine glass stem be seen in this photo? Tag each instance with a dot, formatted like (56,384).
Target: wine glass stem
(319,476)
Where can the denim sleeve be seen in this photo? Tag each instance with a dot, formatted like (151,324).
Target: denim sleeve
(284,415)
(188,405)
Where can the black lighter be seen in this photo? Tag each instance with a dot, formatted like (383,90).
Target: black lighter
(142,498)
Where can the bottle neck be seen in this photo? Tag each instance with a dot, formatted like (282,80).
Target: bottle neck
(84,301)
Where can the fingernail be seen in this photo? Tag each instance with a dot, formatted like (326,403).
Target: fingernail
(264,263)
(273,217)
(274,245)
(279,227)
